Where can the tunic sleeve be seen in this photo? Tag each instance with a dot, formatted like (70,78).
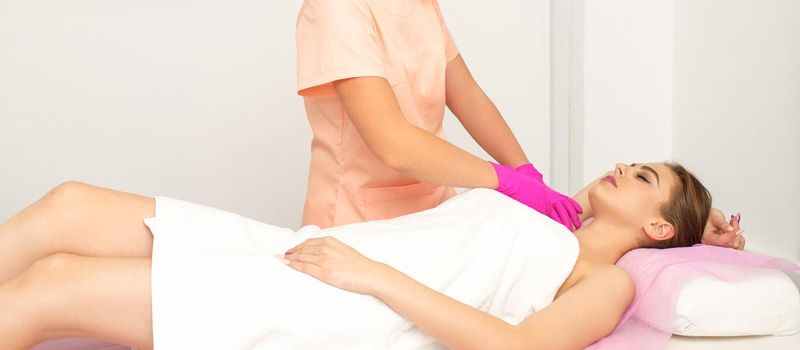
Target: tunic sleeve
(451,50)
(336,39)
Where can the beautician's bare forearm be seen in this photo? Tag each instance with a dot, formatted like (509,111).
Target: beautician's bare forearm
(452,323)
(479,116)
(424,156)
(485,124)
(409,149)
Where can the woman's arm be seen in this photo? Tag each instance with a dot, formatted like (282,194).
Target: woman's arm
(586,312)
(479,116)
(413,151)
(572,321)
(451,322)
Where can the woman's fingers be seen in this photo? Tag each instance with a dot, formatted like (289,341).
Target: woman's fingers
(306,258)
(314,250)
(722,232)
(726,230)
(336,264)
(308,268)
(308,249)
(722,225)
(738,242)
(312,242)
(717,220)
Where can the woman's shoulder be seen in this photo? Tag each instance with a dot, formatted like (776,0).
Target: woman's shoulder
(606,272)
(612,281)
(588,310)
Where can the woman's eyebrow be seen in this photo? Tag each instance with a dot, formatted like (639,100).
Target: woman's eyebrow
(645,167)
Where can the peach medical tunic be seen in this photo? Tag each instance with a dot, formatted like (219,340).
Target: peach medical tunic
(408,43)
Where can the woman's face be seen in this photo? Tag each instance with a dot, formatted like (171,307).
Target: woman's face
(632,194)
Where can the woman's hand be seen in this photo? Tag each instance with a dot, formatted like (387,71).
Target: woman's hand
(333,262)
(722,233)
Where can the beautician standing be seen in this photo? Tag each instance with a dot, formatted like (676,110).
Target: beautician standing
(375,76)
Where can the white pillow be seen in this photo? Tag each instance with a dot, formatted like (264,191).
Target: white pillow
(765,303)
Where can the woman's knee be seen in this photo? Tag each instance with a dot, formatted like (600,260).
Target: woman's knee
(44,271)
(39,293)
(44,222)
(26,298)
(66,193)
(43,286)
(68,295)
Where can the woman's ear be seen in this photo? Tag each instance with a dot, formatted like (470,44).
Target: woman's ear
(659,230)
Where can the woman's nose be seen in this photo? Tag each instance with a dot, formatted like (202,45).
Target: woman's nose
(621,169)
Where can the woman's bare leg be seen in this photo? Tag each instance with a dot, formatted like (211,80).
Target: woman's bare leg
(65,295)
(80,219)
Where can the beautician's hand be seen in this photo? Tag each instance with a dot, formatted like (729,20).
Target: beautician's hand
(530,170)
(333,262)
(537,195)
(563,204)
(723,233)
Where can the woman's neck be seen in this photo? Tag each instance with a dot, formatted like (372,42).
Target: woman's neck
(605,243)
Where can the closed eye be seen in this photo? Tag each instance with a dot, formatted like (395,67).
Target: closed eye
(643,178)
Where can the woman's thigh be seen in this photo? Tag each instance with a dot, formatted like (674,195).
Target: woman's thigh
(66,295)
(84,219)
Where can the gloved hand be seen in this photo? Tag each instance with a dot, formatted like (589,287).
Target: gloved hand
(532,192)
(529,170)
(566,210)
(522,188)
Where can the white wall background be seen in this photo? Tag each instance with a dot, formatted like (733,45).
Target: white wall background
(626,51)
(737,111)
(714,84)
(195,99)
(507,48)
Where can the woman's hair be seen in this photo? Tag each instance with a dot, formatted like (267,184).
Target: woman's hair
(687,209)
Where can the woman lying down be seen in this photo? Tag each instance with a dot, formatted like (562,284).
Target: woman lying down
(480,271)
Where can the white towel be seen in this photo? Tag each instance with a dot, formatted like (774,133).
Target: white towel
(218,282)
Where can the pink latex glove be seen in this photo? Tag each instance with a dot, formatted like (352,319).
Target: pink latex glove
(529,170)
(566,209)
(535,194)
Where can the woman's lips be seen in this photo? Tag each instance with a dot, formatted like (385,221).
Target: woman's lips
(611,179)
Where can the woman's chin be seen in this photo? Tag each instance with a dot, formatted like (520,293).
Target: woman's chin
(600,187)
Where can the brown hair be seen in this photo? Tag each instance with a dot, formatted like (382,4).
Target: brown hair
(687,209)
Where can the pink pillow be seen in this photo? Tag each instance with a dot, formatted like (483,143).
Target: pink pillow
(660,274)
